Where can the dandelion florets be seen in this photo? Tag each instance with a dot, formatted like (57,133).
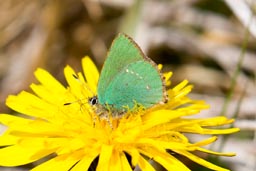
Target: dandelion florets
(76,135)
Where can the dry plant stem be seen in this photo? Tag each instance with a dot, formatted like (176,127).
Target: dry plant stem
(236,113)
(237,72)
(233,84)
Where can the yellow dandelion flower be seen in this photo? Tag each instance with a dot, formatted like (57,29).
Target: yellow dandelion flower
(58,122)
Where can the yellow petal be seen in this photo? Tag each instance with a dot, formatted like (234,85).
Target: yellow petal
(19,126)
(184,91)
(74,83)
(133,152)
(49,96)
(200,161)
(63,162)
(17,154)
(46,79)
(205,142)
(124,163)
(115,161)
(221,131)
(31,105)
(180,86)
(12,120)
(6,139)
(161,145)
(104,159)
(197,129)
(167,77)
(159,66)
(91,73)
(159,117)
(215,121)
(165,159)
(215,153)
(79,89)
(145,165)
(86,161)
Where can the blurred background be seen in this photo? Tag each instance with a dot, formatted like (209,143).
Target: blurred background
(209,42)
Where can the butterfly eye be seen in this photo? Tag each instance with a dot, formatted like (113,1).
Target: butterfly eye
(93,100)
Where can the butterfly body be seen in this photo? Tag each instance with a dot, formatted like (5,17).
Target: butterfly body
(129,78)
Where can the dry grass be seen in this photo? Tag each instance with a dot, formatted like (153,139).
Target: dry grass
(200,40)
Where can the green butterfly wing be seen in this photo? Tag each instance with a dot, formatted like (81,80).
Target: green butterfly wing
(128,77)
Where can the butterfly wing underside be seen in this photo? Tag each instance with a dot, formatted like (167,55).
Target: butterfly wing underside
(128,77)
(138,83)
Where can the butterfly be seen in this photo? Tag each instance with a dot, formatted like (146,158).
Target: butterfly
(128,78)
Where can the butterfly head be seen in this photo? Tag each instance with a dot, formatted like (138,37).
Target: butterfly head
(93,100)
(104,110)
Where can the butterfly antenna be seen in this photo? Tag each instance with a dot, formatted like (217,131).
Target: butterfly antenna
(81,100)
(83,84)
(91,112)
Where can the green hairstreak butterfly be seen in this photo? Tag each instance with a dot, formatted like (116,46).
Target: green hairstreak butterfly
(128,78)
